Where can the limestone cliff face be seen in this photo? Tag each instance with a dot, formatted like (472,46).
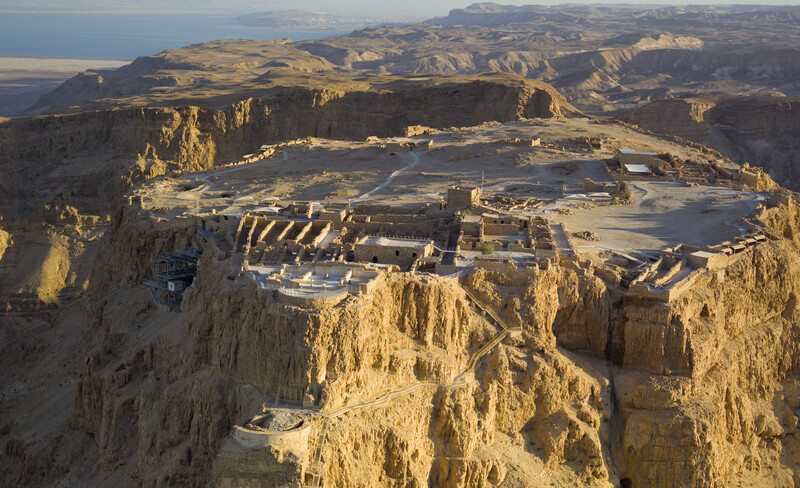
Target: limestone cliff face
(160,391)
(113,148)
(123,255)
(337,355)
(702,400)
(705,386)
(707,390)
(497,431)
(531,410)
(148,408)
(110,149)
(683,117)
(557,305)
(599,386)
(758,118)
(164,389)
(758,130)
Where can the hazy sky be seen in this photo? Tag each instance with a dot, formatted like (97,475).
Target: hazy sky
(406,9)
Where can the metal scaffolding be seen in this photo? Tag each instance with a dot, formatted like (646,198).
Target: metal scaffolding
(173,271)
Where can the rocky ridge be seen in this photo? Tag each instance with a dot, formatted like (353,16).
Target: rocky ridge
(92,156)
(598,57)
(601,387)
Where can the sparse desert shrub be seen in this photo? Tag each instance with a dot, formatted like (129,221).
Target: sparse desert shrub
(485,248)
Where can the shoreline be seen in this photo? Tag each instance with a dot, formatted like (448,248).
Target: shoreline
(13,56)
(24,79)
(54,67)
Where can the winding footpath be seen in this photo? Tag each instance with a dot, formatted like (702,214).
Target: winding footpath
(461,379)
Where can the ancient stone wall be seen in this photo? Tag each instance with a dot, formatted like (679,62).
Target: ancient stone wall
(458,198)
(500,229)
(403,256)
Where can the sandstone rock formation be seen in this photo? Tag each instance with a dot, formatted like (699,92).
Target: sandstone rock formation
(161,404)
(601,386)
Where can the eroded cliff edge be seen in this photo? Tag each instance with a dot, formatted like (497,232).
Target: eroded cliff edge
(602,386)
(88,158)
(243,347)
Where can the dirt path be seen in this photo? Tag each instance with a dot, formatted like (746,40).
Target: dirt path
(210,184)
(460,379)
(391,177)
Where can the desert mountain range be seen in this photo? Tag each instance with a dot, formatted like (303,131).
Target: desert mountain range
(596,56)
(509,247)
(606,61)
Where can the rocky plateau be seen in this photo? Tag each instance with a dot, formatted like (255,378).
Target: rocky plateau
(576,321)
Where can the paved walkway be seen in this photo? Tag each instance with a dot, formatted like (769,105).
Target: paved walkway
(560,238)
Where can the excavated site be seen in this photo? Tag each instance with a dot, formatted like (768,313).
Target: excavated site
(389,280)
(549,302)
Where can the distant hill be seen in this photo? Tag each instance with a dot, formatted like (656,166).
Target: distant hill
(605,60)
(311,21)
